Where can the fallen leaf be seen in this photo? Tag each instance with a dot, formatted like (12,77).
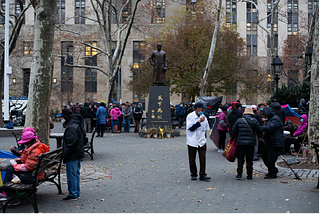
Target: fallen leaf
(102,199)
(109,176)
(210,188)
(254,183)
(199,201)
(152,160)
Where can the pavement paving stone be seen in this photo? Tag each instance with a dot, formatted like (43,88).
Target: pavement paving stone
(152,175)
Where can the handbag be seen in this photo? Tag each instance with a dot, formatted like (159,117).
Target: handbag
(230,151)
(223,124)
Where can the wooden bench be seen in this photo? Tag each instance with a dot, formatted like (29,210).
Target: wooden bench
(50,163)
(88,148)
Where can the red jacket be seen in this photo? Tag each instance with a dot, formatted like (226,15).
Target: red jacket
(29,156)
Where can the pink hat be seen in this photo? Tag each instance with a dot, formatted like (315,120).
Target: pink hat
(26,137)
(254,107)
(28,129)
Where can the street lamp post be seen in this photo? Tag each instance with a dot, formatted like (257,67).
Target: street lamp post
(276,70)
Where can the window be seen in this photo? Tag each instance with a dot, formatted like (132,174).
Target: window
(126,12)
(27,48)
(91,51)
(252,29)
(66,72)
(138,58)
(275,25)
(293,17)
(158,11)
(26,80)
(79,12)
(312,5)
(3,8)
(91,74)
(231,12)
(19,8)
(61,11)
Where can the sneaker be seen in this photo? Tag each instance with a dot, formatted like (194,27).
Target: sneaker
(69,198)
(14,202)
(193,177)
(78,196)
(3,197)
(220,150)
(249,177)
(239,176)
(205,178)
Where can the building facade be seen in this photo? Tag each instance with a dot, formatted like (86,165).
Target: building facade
(79,84)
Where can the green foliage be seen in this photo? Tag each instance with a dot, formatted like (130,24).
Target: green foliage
(293,94)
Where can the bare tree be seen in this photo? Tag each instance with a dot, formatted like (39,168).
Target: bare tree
(105,11)
(37,115)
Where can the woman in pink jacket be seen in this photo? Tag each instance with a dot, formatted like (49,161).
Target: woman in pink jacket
(115,113)
(222,128)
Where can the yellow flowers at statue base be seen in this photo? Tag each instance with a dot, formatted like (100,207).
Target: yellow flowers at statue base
(160,133)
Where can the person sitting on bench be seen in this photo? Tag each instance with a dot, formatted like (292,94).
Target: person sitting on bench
(299,135)
(25,165)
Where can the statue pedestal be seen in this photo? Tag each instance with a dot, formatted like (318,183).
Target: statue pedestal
(159,112)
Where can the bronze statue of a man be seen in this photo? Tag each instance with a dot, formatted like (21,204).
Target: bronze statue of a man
(159,60)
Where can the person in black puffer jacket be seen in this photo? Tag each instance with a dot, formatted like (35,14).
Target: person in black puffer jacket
(73,152)
(276,108)
(245,128)
(274,141)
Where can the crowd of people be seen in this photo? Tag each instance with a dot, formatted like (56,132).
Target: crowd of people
(115,117)
(260,131)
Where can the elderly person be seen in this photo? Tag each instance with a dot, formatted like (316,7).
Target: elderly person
(196,127)
(25,165)
(245,128)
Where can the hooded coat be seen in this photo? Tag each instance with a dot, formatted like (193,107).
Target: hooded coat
(86,111)
(276,108)
(115,113)
(233,117)
(302,126)
(73,140)
(273,128)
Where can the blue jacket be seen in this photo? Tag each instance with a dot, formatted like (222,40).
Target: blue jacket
(180,111)
(102,113)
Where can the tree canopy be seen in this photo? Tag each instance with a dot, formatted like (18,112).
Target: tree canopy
(186,39)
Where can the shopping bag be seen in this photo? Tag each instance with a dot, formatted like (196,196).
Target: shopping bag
(230,150)
(116,128)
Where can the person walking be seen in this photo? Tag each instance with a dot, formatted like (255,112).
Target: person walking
(196,127)
(245,129)
(276,108)
(222,128)
(127,114)
(274,141)
(180,113)
(73,152)
(101,120)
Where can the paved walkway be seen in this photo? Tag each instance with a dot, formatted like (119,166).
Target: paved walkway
(132,174)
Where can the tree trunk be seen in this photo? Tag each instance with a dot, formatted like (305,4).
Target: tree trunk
(204,84)
(37,115)
(313,117)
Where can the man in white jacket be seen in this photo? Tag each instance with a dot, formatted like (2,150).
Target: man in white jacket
(196,127)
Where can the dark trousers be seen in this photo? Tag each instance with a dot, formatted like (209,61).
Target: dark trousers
(222,139)
(269,157)
(25,177)
(100,129)
(192,152)
(245,151)
(181,120)
(137,122)
(292,140)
